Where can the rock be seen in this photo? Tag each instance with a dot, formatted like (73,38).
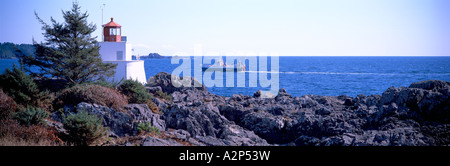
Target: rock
(161,103)
(233,113)
(392,109)
(257,94)
(152,141)
(349,102)
(191,120)
(179,134)
(414,116)
(142,114)
(210,141)
(205,123)
(169,85)
(276,110)
(427,100)
(120,123)
(237,97)
(265,125)
(323,111)
(306,102)
(433,85)
(282,96)
(307,141)
(153,89)
(178,97)
(58,126)
(117,122)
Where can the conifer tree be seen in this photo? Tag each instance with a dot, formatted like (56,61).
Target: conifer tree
(69,51)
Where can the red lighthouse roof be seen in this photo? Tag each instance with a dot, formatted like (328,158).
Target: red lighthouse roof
(112,24)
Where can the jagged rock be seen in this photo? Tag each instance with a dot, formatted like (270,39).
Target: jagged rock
(433,85)
(164,80)
(414,116)
(265,125)
(142,114)
(205,122)
(426,100)
(152,141)
(257,94)
(120,123)
(58,126)
(323,111)
(342,120)
(153,89)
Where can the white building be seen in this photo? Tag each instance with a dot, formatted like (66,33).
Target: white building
(115,49)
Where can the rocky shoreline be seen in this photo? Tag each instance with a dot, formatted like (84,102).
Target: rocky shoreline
(418,115)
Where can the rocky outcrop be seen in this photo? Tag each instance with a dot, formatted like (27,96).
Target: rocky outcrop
(418,115)
(119,123)
(169,85)
(400,116)
(422,101)
(204,122)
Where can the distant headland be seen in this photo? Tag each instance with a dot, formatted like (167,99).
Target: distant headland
(152,56)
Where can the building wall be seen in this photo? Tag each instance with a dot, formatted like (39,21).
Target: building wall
(136,71)
(128,70)
(126,67)
(109,51)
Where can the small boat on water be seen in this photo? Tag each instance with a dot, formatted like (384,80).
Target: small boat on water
(222,66)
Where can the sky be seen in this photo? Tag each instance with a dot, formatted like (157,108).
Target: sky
(282,27)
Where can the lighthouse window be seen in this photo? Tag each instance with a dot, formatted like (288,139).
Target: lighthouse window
(113,31)
(119,55)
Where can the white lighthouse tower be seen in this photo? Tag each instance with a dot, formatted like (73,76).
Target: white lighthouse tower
(115,49)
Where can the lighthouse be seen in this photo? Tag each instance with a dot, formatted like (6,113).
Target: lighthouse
(115,49)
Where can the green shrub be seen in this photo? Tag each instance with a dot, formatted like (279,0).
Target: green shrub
(135,91)
(83,128)
(164,95)
(147,127)
(92,94)
(31,116)
(21,87)
(110,84)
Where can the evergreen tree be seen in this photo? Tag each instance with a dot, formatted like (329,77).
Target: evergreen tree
(20,86)
(69,52)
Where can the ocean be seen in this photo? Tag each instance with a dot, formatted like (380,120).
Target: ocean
(330,76)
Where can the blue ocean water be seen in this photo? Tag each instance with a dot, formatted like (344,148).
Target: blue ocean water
(331,76)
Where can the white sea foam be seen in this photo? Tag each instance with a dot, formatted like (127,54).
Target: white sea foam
(343,73)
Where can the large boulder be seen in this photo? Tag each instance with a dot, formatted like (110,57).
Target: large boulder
(204,122)
(170,83)
(426,100)
(434,85)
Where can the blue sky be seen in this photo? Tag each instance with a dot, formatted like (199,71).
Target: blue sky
(286,27)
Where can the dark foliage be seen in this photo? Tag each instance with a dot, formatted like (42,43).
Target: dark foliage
(135,91)
(83,128)
(31,116)
(21,87)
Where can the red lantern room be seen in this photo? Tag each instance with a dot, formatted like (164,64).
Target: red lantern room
(112,32)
